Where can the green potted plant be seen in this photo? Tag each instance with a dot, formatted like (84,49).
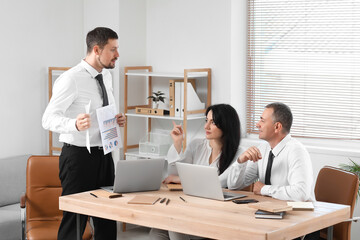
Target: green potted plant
(354,168)
(156,97)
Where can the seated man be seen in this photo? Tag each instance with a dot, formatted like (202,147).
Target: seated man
(281,164)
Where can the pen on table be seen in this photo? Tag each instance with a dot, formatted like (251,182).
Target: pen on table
(163,200)
(182,199)
(167,202)
(93,195)
(157,200)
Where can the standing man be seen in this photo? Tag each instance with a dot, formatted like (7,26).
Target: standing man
(80,170)
(281,164)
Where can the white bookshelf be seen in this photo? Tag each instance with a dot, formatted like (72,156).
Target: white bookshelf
(146,71)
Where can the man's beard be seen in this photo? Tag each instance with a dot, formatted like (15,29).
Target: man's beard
(109,66)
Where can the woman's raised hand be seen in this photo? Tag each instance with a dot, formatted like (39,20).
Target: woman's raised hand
(177,136)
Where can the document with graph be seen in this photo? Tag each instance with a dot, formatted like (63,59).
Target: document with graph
(109,129)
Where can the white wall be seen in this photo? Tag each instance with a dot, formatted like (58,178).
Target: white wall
(132,41)
(191,34)
(34,35)
(38,34)
(238,60)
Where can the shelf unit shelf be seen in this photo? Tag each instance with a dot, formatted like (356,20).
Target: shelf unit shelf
(135,154)
(165,117)
(146,71)
(167,75)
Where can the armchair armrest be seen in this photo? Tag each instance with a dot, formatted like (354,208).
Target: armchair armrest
(23,215)
(23,200)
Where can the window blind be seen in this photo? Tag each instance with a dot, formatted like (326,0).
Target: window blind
(306,54)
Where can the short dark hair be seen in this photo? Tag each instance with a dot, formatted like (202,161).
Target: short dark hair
(282,113)
(99,36)
(226,118)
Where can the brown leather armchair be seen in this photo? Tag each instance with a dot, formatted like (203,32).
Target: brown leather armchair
(41,200)
(335,185)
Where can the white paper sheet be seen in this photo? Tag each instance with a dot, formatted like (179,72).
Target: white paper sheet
(87,111)
(109,129)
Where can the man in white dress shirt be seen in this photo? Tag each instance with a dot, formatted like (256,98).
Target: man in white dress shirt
(290,175)
(281,165)
(73,90)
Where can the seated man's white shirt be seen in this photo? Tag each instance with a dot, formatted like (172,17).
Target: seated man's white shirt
(291,172)
(198,152)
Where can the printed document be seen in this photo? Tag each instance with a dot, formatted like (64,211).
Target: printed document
(87,111)
(109,129)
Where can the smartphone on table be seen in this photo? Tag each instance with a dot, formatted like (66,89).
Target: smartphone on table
(245,201)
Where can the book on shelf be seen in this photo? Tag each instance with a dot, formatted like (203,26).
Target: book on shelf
(269,215)
(172,94)
(177,99)
(172,98)
(193,101)
(151,111)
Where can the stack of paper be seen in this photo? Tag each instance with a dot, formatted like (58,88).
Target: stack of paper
(301,205)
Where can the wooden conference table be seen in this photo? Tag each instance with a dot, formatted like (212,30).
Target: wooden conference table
(205,217)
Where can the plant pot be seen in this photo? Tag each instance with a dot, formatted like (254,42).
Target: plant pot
(155,105)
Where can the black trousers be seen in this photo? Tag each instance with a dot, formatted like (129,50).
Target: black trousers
(81,171)
(311,236)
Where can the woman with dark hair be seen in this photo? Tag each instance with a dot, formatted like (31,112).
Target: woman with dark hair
(219,149)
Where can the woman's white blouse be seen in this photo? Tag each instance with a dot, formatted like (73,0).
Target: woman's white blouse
(198,152)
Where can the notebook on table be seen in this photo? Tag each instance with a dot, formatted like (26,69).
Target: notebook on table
(269,215)
(203,181)
(174,186)
(271,207)
(137,176)
(142,199)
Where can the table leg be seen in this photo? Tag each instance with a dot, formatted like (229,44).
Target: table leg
(330,233)
(78,234)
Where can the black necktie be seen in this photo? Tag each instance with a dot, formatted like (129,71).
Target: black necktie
(103,90)
(268,168)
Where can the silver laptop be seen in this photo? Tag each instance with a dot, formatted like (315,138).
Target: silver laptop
(137,176)
(203,181)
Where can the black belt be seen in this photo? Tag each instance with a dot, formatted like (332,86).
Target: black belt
(70,145)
